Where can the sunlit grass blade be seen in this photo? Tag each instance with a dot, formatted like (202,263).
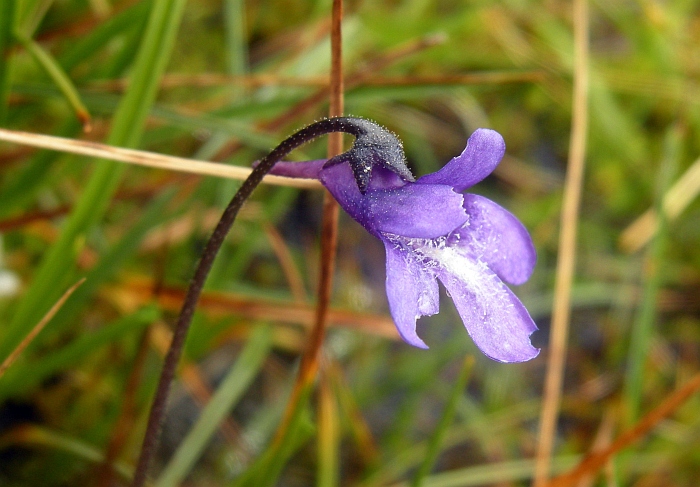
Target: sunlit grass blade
(444,423)
(142,158)
(127,127)
(683,192)
(491,473)
(222,402)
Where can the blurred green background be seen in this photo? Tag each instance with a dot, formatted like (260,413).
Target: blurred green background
(225,81)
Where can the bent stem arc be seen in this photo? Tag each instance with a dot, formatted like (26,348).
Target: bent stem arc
(369,138)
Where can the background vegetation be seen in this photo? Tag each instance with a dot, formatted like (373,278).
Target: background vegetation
(225,81)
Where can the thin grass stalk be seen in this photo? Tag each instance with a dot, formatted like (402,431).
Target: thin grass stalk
(328,453)
(567,248)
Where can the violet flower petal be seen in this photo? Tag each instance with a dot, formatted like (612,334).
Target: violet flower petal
(412,210)
(412,292)
(485,149)
(495,236)
(495,318)
(301,170)
(416,210)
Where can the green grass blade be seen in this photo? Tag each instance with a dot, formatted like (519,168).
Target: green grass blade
(100,36)
(22,188)
(113,260)
(126,131)
(265,471)
(28,375)
(57,75)
(222,402)
(7,26)
(42,437)
(236,38)
(444,423)
(643,328)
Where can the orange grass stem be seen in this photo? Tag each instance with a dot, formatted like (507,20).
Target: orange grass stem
(329,237)
(596,460)
(38,327)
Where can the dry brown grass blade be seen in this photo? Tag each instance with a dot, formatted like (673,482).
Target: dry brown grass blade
(284,256)
(597,460)
(38,327)
(144,158)
(567,249)
(602,440)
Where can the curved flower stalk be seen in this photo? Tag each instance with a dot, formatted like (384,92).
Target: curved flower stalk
(431,231)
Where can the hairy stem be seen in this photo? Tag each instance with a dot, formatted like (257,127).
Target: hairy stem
(155,419)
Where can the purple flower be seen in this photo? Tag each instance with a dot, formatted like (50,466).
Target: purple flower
(432,231)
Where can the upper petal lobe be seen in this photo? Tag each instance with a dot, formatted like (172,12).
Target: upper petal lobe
(412,210)
(485,149)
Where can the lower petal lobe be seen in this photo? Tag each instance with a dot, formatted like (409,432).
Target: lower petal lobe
(412,292)
(494,236)
(495,318)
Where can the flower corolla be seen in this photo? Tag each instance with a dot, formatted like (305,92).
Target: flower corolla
(432,231)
